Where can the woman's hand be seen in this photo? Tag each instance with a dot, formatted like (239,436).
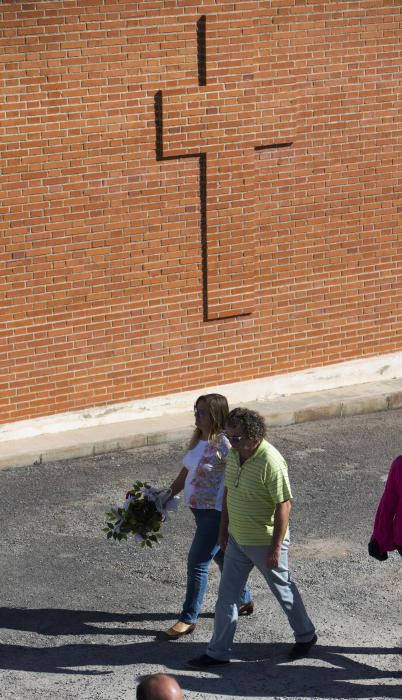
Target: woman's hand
(224,523)
(164,496)
(178,483)
(223,538)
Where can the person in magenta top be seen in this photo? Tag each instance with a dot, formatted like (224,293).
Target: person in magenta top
(387,533)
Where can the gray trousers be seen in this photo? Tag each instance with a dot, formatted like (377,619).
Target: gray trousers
(239,561)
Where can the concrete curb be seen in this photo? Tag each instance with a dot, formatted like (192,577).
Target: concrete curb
(281,411)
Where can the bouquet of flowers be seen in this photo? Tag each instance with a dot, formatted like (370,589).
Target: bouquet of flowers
(141,515)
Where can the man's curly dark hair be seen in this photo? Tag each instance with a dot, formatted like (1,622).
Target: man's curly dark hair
(251,423)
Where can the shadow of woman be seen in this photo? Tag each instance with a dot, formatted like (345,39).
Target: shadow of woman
(54,621)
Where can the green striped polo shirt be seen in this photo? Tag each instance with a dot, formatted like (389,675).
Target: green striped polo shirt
(262,482)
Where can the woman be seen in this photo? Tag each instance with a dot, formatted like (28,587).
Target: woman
(202,478)
(387,533)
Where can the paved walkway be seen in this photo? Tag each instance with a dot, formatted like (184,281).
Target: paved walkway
(80,615)
(299,408)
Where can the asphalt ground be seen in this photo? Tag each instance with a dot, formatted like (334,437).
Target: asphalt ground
(80,615)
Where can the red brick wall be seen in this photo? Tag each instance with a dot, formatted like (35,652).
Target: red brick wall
(105,295)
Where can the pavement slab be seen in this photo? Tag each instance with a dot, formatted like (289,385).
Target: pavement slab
(280,410)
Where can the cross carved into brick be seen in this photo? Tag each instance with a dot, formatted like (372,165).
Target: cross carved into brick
(216,123)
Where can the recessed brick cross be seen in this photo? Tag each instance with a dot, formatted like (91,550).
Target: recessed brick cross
(216,123)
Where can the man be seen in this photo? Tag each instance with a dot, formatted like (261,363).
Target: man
(254,532)
(159,687)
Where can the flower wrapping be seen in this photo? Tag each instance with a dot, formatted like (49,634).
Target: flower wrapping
(144,510)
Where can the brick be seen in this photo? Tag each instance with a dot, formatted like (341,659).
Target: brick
(101,243)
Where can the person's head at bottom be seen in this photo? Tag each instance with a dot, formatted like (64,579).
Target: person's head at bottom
(159,687)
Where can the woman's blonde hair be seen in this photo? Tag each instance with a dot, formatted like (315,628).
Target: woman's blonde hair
(218,410)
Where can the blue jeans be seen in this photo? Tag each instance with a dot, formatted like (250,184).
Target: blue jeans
(239,561)
(203,550)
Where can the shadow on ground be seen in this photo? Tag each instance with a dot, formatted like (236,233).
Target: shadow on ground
(337,675)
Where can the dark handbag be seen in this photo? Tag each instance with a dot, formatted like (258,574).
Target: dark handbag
(374,551)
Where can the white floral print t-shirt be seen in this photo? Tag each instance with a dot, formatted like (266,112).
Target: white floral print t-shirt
(206,468)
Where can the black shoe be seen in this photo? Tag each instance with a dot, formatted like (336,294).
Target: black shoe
(301,649)
(246,609)
(205,661)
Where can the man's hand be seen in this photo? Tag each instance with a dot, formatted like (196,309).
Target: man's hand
(273,556)
(281,521)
